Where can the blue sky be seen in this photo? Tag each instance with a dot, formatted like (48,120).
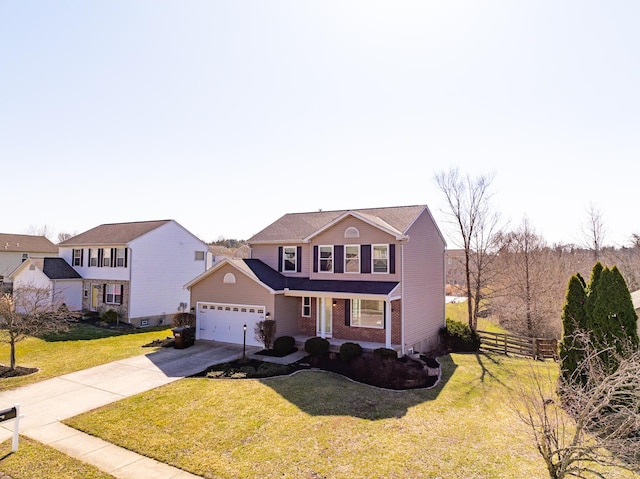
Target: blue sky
(225,115)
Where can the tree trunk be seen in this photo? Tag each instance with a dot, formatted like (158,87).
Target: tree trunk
(12,361)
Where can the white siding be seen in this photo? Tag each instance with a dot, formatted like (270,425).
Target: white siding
(68,292)
(161,263)
(106,273)
(423,291)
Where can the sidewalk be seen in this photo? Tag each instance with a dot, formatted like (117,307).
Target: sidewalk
(45,403)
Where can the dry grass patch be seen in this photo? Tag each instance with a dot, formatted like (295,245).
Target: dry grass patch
(316,424)
(35,460)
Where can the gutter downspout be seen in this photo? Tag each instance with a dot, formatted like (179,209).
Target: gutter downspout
(402,351)
(130,259)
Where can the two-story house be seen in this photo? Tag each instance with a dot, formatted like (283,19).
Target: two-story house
(137,269)
(372,276)
(14,249)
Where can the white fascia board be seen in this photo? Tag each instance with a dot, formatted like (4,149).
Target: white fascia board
(387,229)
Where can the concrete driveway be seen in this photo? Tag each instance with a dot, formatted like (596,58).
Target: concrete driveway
(45,403)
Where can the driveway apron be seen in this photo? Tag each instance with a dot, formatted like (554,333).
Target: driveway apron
(45,403)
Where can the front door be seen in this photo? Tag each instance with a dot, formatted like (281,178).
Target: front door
(324,305)
(94,298)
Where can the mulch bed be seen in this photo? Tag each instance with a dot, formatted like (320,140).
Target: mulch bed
(399,374)
(5,372)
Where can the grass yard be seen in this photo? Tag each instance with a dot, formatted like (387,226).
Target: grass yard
(458,312)
(320,425)
(33,459)
(83,346)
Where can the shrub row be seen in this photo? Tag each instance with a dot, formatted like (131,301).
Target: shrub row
(317,347)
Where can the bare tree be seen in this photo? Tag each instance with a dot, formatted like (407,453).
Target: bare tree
(594,231)
(583,428)
(477,224)
(65,236)
(30,311)
(44,230)
(528,292)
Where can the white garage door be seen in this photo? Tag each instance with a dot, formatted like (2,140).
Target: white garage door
(224,322)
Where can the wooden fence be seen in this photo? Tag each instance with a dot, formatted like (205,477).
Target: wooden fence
(507,344)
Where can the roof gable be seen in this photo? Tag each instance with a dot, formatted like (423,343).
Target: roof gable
(26,244)
(114,233)
(300,227)
(53,268)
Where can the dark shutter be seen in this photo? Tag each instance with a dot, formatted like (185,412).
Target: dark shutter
(104,291)
(365,260)
(82,257)
(392,258)
(89,258)
(100,255)
(121,293)
(299,259)
(280,253)
(315,259)
(338,260)
(113,257)
(347,312)
(126,254)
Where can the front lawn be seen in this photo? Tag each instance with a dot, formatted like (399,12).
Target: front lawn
(83,346)
(33,459)
(320,425)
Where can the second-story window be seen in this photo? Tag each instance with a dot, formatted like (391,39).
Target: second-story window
(106,257)
(380,258)
(325,259)
(352,258)
(120,258)
(289,260)
(93,257)
(77,257)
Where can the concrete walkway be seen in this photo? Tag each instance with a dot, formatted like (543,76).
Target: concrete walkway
(46,403)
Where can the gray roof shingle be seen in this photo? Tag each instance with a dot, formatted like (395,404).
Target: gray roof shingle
(26,244)
(294,227)
(114,233)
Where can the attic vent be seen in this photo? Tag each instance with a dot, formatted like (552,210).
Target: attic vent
(229,278)
(351,232)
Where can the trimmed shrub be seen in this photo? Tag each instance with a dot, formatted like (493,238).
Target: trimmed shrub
(459,337)
(350,351)
(180,320)
(110,316)
(386,353)
(316,347)
(284,345)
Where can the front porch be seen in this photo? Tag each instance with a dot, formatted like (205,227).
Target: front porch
(334,344)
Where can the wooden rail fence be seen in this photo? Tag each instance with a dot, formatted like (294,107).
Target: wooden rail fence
(507,344)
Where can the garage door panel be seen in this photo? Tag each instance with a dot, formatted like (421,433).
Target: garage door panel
(224,322)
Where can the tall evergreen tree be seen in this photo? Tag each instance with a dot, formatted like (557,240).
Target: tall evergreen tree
(574,318)
(592,293)
(625,312)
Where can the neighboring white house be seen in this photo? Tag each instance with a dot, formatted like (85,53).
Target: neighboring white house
(53,274)
(14,249)
(138,269)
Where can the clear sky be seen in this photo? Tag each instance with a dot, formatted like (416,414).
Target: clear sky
(225,115)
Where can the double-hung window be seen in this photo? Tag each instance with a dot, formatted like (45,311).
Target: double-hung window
(380,258)
(93,257)
(325,259)
(306,306)
(289,258)
(106,257)
(77,257)
(352,258)
(113,294)
(120,262)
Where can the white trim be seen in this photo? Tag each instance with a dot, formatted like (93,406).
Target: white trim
(344,267)
(373,247)
(333,258)
(284,259)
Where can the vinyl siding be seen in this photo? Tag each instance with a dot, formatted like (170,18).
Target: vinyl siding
(161,262)
(68,292)
(244,291)
(268,254)
(369,235)
(106,273)
(423,291)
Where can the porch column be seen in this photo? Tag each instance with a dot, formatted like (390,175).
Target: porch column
(387,326)
(323,317)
